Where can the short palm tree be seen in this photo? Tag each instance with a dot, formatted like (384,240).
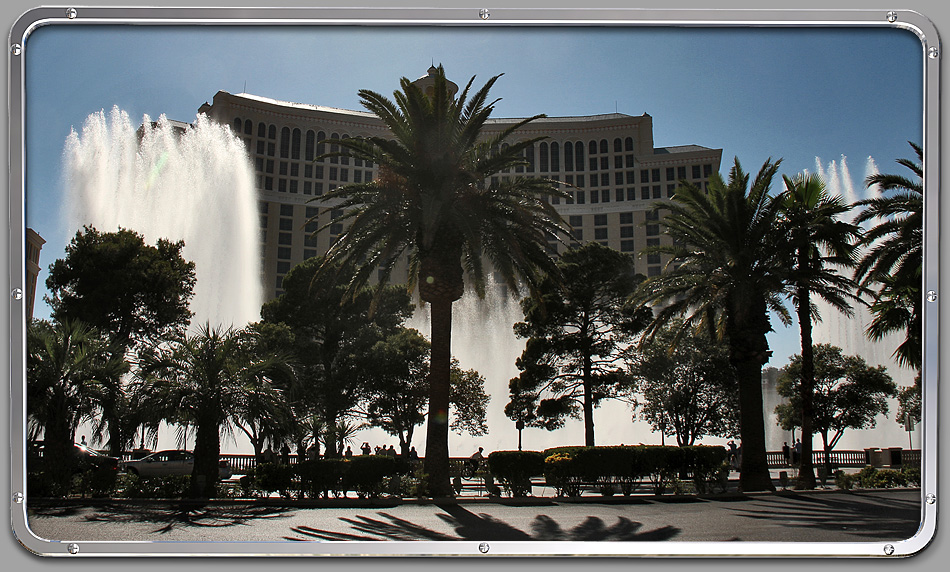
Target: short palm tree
(431,201)
(207,381)
(727,269)
(894,262)
(820,241)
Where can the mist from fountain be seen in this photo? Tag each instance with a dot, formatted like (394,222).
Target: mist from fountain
(196,186)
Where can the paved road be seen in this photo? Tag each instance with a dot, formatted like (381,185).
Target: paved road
(819,516)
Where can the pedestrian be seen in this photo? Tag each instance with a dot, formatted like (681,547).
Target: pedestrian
(786,453)
(733,454)
(377,450)
(413,455)
(268,455)
(285,454)
(82,443)
(365,448)
(797,456)
(391,451)
(349,452)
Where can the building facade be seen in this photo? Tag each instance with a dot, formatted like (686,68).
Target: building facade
(34,244)
(609,163)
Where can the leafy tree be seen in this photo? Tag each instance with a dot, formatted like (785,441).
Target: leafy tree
(727,269)
(333,332)
(130,292)
(688,388)
(66,362)
(849,394)
(894,261)
(820,241)
(436,201)
(909,403)
(577,330)
(209,381)
(398,384)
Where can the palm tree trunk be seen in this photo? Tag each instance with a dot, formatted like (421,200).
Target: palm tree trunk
(204,476)
(806,469)
(436,464)
(588,403)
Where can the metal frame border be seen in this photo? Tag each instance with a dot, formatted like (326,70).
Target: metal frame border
(515,17)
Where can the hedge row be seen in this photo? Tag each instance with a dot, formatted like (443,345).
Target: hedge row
(571,469)
(367,476)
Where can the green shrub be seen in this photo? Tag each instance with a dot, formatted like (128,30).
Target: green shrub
(560,472)
(169,487)
(514,470)
(844,481)
(274,477)
(911,476)
(366,474)
(320,477)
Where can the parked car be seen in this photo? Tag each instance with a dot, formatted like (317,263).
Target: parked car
(85,457)
(172,462)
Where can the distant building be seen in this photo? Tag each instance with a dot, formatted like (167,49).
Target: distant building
(616,172)
(34,244)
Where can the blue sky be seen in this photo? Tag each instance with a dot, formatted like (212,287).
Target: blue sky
(755,93)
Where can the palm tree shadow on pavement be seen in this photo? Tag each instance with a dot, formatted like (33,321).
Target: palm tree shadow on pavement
(470,526)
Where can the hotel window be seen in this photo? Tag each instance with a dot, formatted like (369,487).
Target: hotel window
(293,186)
(696,171)
(272,132)
(307,188)
(592,164)
(344,175)
(670,174)
(261,130)
(579,155)
(600,220)
(632,194)
(595,196)
(286,224)
(653,258)
(248,127)
(284,142)
(600,234)
(605,179)
(280,283)
(310,240)
(268,183)
(270,150)
(618,195)
(259,165)
(543,158)
(295,169)
(645,193)
(618,145)
(680,173)
(653,271)
(260,147)
(618,162)
(357,176)
(310,143)
(336,228)
(334,148)
(581,197)
(631,177)
(287,210)
(626,218)
(307,253)
(707,170)
(626,232)
(555,157)
(345,159)
(603,145)
(318,172)
(629,162)
(318,189)
(283,168)
(670,191)
(283,267)
(626,245)
(285,238)
(579,180)
(333,173)
(263,206)
(604,163)
(605,196)
(577,234)
(576,221)
(644,176)
(653,230)
(618,178)
(568,156)
(656,175)
(656,192)
(592,148)
(283,252)
(295,144)
(321,147)
(312,212)
(628,144)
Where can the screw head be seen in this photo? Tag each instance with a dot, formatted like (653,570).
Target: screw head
(71,13)
(16,49)
(888,549)
(931,498)
(73,548)
(931,296)
(933,53)
(483,547)
(892,17)
(484,14)
(17,293)
(18,498)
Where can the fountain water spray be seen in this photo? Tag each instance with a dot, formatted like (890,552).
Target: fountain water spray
(194,185)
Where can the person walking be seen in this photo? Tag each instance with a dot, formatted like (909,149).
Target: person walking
(786,453)
(365,448)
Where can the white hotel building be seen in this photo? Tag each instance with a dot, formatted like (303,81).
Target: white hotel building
(616,173)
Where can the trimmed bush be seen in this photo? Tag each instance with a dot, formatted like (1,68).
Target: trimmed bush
(366,474)
(318,477)
(514,470)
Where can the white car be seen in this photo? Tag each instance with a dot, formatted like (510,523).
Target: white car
(173,462)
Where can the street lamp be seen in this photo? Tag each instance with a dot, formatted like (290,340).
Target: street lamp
(519,425)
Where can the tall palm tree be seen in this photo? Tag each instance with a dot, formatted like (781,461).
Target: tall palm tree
(207,381)
(819,241)
(894,261)
(432,202)
(727,269)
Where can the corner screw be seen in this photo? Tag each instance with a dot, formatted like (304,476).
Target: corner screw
(483,547)
(484,14)
(933,53)
(931,295)
(892,17)
(71,14)
(888,549)
(16,49)
(18,498)
(931,498)
(17,293)
(73,548)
